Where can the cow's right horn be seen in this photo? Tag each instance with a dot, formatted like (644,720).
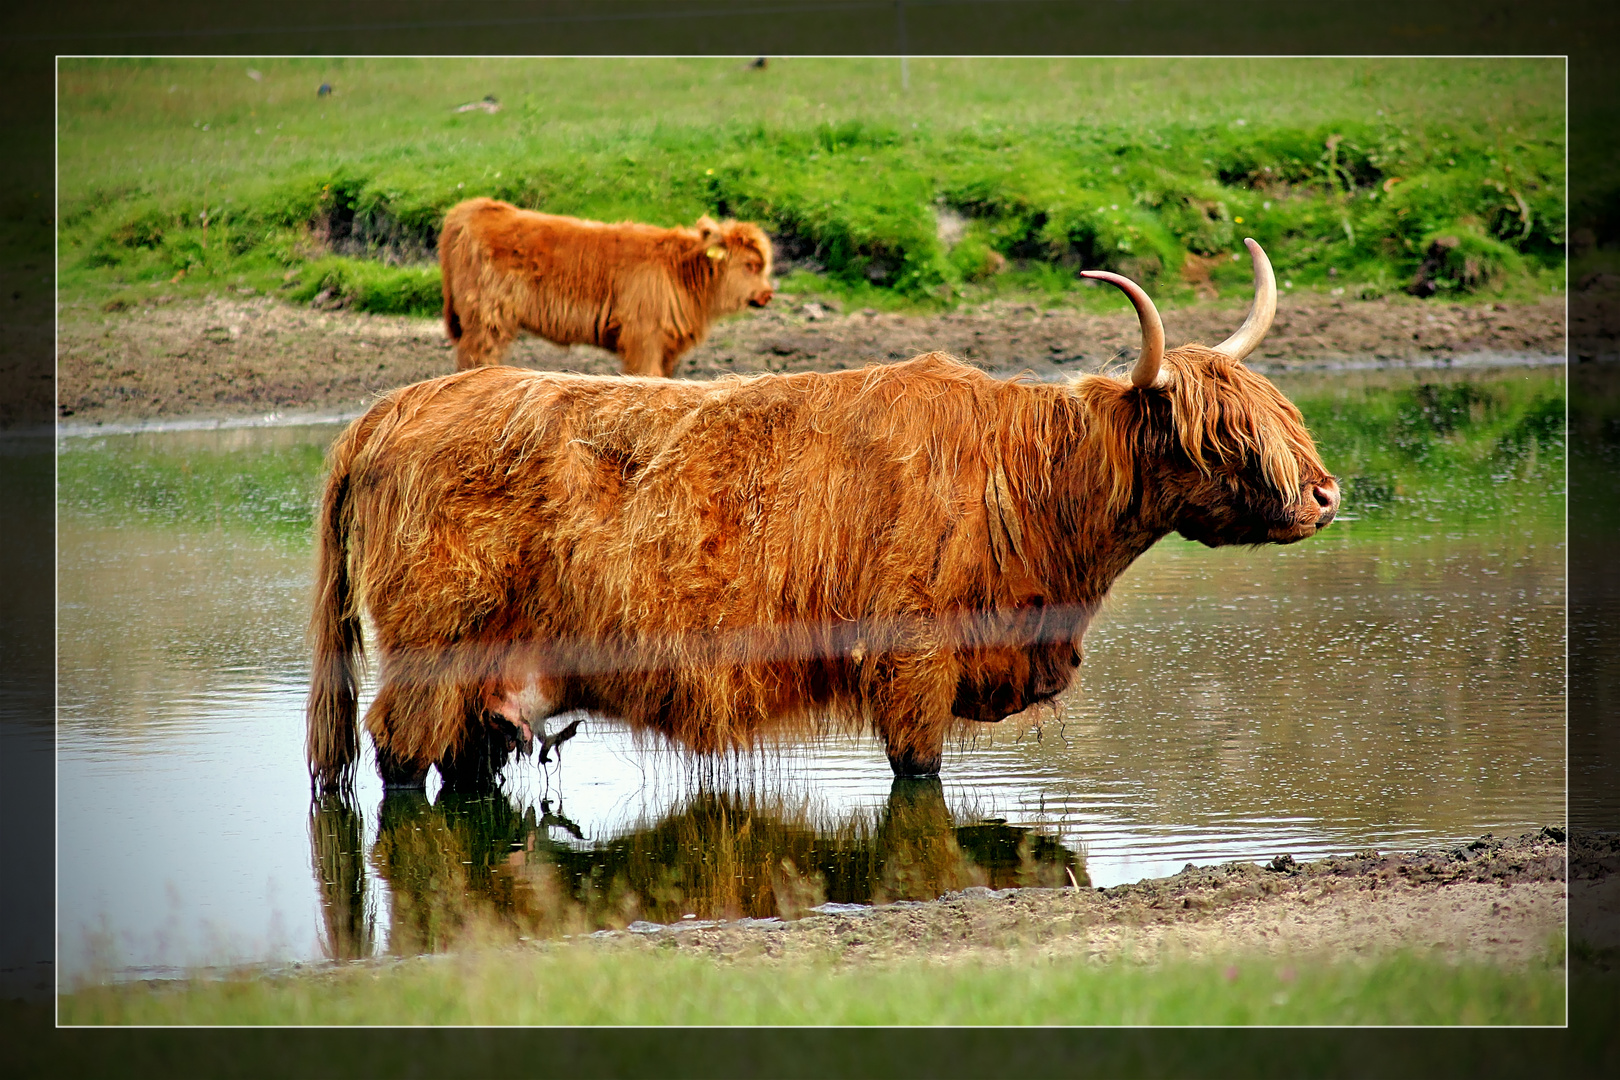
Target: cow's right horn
(1147,369)
(1254,328)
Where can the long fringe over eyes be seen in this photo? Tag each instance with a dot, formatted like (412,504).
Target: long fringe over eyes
(1223,414)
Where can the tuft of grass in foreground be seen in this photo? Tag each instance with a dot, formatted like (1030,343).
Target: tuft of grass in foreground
(1444,177)
(579,986)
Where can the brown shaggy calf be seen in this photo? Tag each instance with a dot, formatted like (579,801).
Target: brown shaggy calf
(646,293)
(911,547)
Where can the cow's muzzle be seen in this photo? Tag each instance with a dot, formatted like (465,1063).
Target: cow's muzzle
(1326,493)
(761,298)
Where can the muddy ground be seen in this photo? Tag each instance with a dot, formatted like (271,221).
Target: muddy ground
(1502,901)
(252,355)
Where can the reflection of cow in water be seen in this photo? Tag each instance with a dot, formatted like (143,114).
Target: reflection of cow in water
(337,846)
(906,548)
(475,864)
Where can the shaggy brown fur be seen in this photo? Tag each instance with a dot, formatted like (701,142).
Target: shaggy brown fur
(910,547)
(646,293)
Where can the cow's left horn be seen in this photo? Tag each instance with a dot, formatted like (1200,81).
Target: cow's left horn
(1146,372)
(1254,328)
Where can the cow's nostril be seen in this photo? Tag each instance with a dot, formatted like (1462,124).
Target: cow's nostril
(1327,498)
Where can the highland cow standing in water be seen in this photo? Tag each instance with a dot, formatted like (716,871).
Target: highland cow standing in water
(911,548)
(646,293)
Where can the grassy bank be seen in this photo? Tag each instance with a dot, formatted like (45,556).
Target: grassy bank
(663,988)
(983,178)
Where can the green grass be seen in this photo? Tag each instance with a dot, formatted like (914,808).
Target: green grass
(1361,174)
(569,986)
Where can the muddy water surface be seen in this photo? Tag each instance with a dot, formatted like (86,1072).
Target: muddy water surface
(1393,683)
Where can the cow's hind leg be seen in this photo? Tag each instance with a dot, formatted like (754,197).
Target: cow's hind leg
(417,715)
(398,765)
(501,715)
(475,763)
(911,761)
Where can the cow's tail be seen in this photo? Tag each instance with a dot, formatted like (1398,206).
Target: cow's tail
(449,242)
(332,743)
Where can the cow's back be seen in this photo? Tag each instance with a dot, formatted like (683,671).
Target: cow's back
(652,508)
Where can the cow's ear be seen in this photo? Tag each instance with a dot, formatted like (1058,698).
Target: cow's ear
(709,231)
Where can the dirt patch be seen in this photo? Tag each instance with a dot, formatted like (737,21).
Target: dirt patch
(243,356)
(235,357)
(1495,900)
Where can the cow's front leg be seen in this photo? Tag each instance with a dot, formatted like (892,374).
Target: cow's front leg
(483,342)
(642,355)
(911,708)
(670,360)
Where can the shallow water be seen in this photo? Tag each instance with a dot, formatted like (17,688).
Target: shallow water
(1396,682)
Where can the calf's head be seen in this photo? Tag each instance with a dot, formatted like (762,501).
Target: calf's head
(740,253)
(1209,448)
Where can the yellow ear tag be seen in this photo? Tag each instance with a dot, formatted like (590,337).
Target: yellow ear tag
(716,253)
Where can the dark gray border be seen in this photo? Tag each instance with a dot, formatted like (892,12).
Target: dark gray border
(33,37)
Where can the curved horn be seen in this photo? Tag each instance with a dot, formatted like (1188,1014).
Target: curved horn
(1254,328)
(1146,371)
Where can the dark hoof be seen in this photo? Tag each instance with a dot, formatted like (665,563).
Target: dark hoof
(400,776)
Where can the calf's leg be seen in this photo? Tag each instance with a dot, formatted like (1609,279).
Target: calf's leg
(482,342)
(642,356)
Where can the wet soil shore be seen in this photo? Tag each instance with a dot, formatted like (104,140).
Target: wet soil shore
(251,356)
(1496,900)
